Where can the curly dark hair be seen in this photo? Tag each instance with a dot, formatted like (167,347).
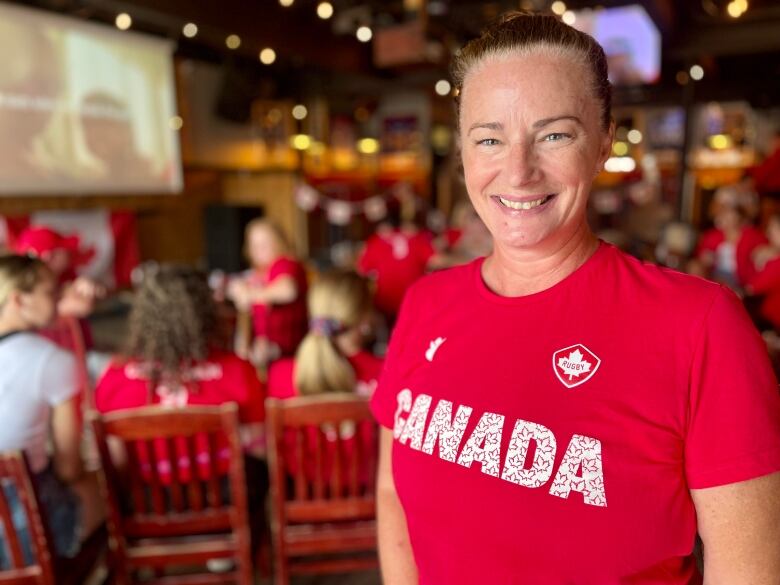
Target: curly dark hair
(173,322)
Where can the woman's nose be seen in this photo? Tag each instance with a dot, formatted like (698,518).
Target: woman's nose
(521,164)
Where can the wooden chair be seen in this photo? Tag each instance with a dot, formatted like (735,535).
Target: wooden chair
(323,517)
(45,568)
(180,511)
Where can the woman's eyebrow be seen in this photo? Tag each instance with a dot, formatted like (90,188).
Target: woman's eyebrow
(545,121)
(487,126)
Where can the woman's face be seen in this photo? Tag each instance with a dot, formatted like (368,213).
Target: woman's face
(261,247)
(532,142)
(38,307)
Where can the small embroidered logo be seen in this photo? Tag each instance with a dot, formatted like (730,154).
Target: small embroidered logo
(575,365)
(433,348)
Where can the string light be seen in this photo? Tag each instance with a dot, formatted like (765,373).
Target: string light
(697,72)
(299,112)
(286,3)
(233,42)
(267,56)
(190,30)
(324,10)
(176,122)
(364,34)
(569,18)
(558,7)
(634,136)
(123,21)
(443,87)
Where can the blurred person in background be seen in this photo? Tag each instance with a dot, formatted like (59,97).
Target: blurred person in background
(332,357)
(39,406)
(273,290)
(725,252)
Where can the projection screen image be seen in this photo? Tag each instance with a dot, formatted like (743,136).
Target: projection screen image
(84,108)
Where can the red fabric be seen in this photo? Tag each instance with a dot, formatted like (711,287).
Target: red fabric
(285,325)
(767,283)
(281,384)
(554,438)
(222,378)
(127,251)
(452,236)
(767,175)
(750,239)
(396,259)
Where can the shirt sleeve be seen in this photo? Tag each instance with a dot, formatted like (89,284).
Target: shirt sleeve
(383,402)
(733,429)
(366,262)
(768,279)
(283,267)
(59,377)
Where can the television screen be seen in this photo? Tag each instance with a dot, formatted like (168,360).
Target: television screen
(630,39)
(84,108)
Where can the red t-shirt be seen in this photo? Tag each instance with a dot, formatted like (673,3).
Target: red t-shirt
(286,324)
(750,239)
(397,259)
(281,384)
(767,283)
(553,438)
(222,378)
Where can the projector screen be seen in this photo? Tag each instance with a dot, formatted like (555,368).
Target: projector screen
(84,108)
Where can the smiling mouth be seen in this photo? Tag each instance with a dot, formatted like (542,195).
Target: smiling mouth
(524,205)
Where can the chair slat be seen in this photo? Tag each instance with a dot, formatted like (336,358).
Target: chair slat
(177,498)
(11,536)
(300,472)
(195,488)
(155,483)
(134,471)
(319,467)
(213,486)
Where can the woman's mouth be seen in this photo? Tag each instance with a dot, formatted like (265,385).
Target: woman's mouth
(524,205)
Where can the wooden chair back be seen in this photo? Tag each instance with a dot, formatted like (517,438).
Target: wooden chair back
(323,504)
(14,475)
(174,484)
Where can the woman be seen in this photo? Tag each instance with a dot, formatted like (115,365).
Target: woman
(331,357)
(39,404)
(726,251)
(274,290)
(560,412)
(173,356)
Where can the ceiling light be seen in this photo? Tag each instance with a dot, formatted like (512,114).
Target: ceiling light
(233,42)
(324,10)
(364,34)
(190,30)
(443,87)
(267,56)
(123,21)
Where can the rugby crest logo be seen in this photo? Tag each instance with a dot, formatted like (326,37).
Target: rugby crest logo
(575,365)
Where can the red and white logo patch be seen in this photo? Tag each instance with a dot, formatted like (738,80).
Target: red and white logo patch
(575,365)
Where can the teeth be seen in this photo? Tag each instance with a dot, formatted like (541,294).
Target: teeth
(522,204)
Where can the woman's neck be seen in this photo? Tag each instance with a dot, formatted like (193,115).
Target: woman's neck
(9,323)
(515,273)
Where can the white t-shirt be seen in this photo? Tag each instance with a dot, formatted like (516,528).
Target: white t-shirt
(35,375)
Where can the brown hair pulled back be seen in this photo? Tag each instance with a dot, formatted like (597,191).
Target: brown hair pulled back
(522,31)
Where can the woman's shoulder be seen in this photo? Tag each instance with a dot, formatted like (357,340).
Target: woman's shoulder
(641,280)
(443,281)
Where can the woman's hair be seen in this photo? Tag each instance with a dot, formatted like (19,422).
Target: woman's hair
(172,323)
(283,246)
(20,273)
(337,303)
(525,32)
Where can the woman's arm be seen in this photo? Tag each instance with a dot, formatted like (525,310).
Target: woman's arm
(66,437)
(395,550)
(739,526)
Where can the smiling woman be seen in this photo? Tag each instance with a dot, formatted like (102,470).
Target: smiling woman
(656,413)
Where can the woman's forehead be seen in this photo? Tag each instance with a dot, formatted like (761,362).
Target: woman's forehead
(542,82)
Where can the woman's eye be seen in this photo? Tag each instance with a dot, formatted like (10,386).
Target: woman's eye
(488,141)
(556,136)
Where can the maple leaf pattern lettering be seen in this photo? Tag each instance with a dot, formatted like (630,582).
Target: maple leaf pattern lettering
(574,365)
(487,433)
(448,433)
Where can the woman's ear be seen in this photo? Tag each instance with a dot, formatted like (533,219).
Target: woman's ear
(606,145)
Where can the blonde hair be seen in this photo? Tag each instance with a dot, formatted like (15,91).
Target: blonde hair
(523,32)
(337,303)
(283,246)
(20,273)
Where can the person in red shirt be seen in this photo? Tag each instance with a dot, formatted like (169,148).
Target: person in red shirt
(331,358)
(274,291)
(173,358)
(725,252)
(560,412)
(766,283)
(395,256)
